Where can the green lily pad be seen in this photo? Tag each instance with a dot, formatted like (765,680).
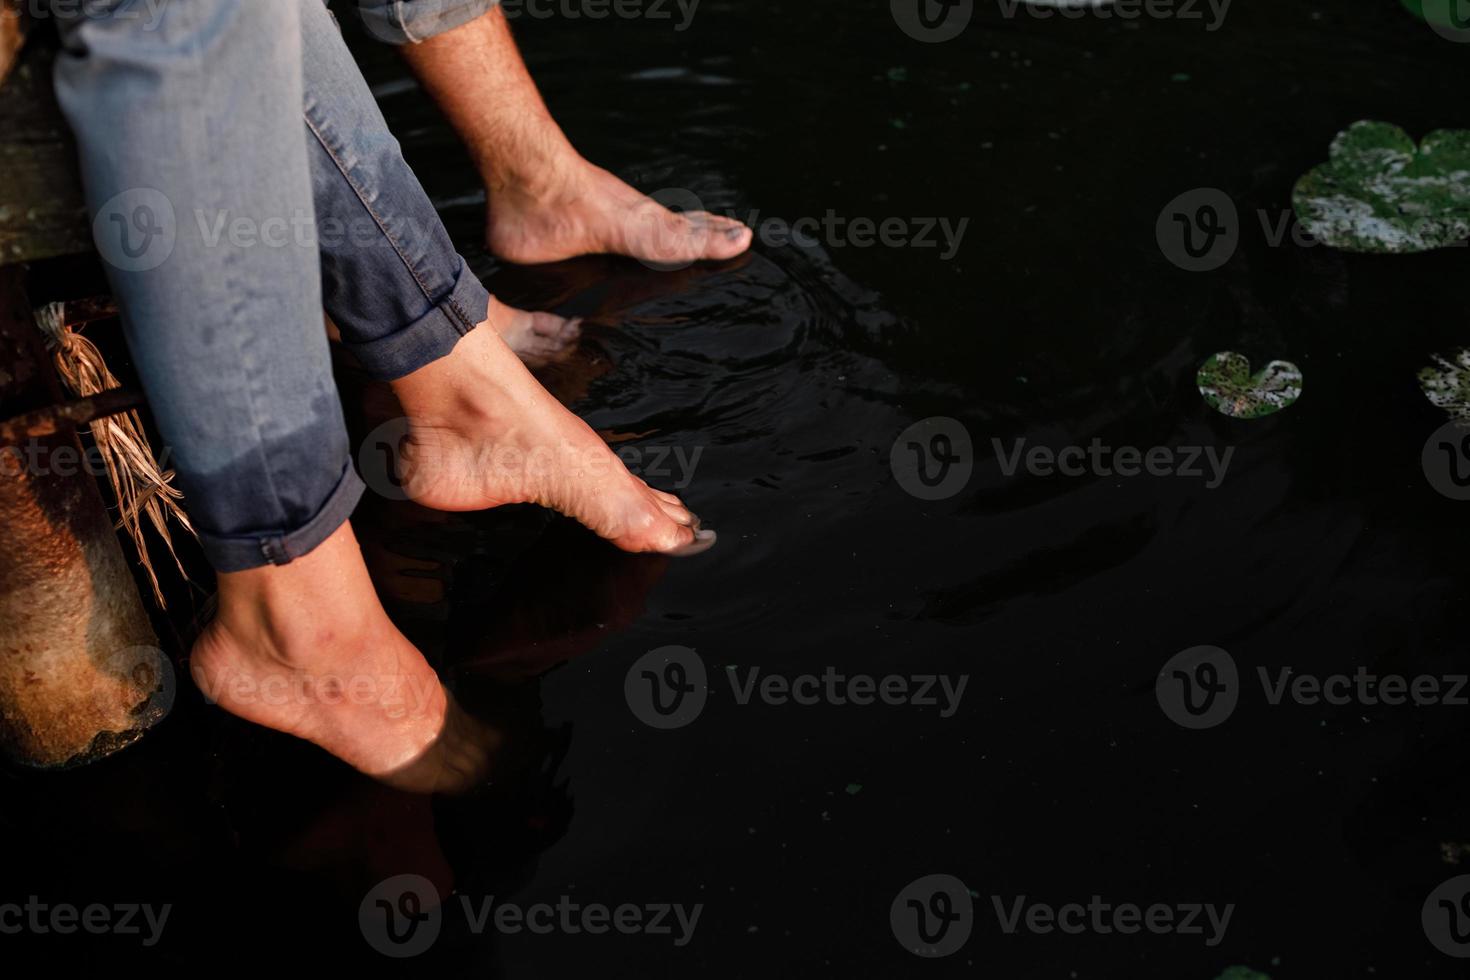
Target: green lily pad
(1446,383)
(1378,192)
(1242,973)
(1230,389)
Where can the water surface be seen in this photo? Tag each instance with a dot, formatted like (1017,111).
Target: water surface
(790,374)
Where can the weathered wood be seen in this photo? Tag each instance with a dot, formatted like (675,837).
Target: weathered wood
(42,213)
(81,674)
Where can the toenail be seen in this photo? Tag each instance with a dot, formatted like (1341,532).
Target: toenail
(703,541)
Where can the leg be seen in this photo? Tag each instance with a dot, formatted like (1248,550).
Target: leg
(546,202)
(392,281)
(187,127)
(307,649)
(481,431)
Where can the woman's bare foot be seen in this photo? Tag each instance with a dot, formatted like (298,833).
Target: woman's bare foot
(481,433)
(305,648)
(538,338)
(579,209)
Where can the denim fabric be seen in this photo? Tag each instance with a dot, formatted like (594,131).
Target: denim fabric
(411,21)
(391,279)
(207,187)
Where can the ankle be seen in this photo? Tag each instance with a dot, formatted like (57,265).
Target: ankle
(292,615)
(547,172)
(452,392)
(273,634)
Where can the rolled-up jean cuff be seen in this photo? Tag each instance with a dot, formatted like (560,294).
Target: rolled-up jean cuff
(238,553)
(431,336)
(412,21)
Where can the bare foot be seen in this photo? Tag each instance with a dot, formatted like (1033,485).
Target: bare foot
(547,203)
(305,648)
(461,759)
(483,433)
(579,209)
(538,338)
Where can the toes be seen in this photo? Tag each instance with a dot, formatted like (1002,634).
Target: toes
(716,222)
(674,508)
(556,329)
(666,497)
(680,535)
(679,514)
(538,337)
(683,237)
(725,237)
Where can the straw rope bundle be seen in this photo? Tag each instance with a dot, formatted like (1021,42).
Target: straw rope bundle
(139,484)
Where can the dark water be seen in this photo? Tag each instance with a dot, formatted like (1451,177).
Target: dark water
(1059,320)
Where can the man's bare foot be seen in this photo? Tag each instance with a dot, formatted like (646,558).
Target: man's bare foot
(305,648)
(482,433)
(579,209)
(546,202)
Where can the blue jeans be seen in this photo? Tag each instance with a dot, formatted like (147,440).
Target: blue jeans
(242,179)
(410,21)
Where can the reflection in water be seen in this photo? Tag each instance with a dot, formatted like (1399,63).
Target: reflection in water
(735,371)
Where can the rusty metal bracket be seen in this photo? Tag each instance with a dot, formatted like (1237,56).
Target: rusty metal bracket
(47,421)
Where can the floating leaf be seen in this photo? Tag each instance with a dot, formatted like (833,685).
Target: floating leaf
(1230,389)
(1379,192)
(1446,383)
